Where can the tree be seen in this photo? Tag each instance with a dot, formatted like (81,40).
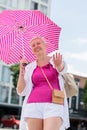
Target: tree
(85,94)
(15,73)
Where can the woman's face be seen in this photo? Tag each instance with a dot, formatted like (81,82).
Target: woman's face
(38,46)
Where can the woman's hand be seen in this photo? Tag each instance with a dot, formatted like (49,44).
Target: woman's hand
(23,63)
(21,82)
(57,59)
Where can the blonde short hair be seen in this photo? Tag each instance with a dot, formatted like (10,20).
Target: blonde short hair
(39,37)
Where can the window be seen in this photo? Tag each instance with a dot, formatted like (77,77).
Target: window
(27,4)
(14,97)
(34,5)
(4,92)
(3,2)
(43,9)
(13,3)
(73,105)
(81,96)
(46,1)
(1,9)
(5,77)
(77,81)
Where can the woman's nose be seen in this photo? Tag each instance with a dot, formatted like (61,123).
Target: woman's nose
(36,45)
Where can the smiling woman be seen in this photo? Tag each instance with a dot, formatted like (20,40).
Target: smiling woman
(38,108)
(38,45)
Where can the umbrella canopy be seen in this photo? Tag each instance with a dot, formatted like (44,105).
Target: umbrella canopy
(18,27)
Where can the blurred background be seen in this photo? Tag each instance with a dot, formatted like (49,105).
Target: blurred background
(10,102)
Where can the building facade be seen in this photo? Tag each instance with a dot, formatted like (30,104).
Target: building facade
(76,102)
(42,5)
(10,102)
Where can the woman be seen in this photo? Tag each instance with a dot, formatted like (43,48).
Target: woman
(38,111)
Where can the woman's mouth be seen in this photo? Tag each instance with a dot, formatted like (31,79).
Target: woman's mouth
(37,49)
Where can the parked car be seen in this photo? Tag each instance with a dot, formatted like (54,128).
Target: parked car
(10,121)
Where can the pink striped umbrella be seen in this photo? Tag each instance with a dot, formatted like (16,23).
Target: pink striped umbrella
(18,27)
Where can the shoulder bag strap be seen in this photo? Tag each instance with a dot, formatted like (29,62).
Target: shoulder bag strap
(46,79)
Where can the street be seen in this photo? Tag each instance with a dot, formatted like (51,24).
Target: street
(7,129)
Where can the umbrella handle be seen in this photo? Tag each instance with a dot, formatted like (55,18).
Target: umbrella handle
(22,45)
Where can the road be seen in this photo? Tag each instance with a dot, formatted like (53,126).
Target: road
(7,129)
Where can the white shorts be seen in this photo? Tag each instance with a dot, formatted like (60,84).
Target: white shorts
(43,110)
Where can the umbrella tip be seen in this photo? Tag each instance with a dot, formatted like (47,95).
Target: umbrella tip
(21,28)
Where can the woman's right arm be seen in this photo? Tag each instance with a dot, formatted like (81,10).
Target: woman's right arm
(21,81)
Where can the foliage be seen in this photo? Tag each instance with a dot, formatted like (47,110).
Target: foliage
(15,73)
(85,94)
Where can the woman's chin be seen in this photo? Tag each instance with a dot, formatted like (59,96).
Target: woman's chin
(37,54)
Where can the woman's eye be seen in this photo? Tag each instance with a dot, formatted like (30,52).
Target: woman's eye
(33,45)
(38,43)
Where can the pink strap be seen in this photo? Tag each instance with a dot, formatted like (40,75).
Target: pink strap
(47,79)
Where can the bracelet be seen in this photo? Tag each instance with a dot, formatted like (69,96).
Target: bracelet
(61,66)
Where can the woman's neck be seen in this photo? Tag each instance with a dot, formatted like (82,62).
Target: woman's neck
(43,60)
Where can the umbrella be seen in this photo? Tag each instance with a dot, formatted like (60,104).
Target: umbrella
(18,27)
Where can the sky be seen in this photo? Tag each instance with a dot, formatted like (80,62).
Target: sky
(71,16)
